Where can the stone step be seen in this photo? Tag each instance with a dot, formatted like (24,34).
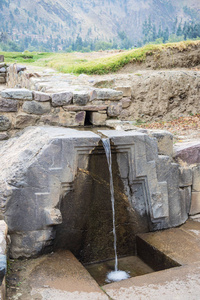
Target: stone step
(180,283)
(179,245)
(56,276)
(176,246)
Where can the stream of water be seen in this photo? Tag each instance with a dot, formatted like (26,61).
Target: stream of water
(115,275)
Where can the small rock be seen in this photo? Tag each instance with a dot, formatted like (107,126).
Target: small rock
(37,108)
(98,118)
(41,97)
(50,119)
(8,105)
(189,153)
(185,177)
(80,118)
(20,94)
(125,89)
(105,83)
(165,141)
(63,98)
(3,136)
(93,95)
(23,121)
(20,68)
(3,70)
(125,114)
(126,102)
(5,123)
(72,118)
(81,98)
(114,110)
(91,80)
(108,94)
(86,108)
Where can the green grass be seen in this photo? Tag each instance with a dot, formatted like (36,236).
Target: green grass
(25,57)
(101,65)
(78,63)
(115,62)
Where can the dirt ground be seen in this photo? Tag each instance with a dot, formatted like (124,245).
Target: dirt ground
(170,58)
(183,128)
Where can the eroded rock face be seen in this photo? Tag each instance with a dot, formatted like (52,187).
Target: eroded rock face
(49,177)
(165,94)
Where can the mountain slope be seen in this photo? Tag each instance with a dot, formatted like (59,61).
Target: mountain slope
(44,20)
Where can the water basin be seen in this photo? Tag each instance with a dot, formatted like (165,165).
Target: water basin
(133,265)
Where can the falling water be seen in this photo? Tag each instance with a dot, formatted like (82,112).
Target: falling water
(115,275)
(106,145)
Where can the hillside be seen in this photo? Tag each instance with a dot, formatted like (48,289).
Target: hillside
(59,22)
(184,54)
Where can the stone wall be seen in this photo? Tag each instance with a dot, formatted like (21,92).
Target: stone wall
(149,95)
(163,95)
(154,184)
(20,108)
(3,70)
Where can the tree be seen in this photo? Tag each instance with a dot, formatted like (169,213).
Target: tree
(179,31)
(166,34)
(154,32)
(174,26)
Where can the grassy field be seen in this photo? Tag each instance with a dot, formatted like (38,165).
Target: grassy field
(91,63)
(25,57)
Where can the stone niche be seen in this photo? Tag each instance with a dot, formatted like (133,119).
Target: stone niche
(54,191)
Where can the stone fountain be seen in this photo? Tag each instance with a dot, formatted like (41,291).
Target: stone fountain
(54,191)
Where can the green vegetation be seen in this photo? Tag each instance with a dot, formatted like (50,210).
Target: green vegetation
(179,32)
(112,63)
(78,63)
(25,57)
(100,65)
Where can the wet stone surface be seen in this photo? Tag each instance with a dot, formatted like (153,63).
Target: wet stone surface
(57,276)
(133,265)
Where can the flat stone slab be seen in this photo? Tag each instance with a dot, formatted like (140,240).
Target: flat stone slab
(181,283)
(57,276)
(182,244)
(188,152)
(85,108)
(20,94)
